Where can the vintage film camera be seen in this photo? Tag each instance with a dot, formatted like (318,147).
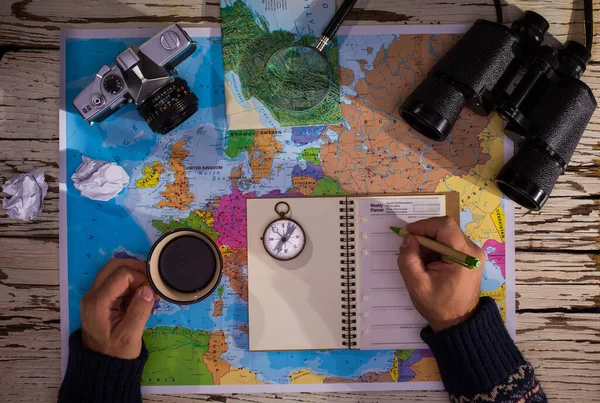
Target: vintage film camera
(143,75)
(547,111)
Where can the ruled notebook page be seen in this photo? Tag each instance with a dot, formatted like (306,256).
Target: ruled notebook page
(386,316)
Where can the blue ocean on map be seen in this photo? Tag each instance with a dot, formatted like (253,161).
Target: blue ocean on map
(98,229)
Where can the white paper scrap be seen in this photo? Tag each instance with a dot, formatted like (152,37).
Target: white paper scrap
(99,180)
(28,191)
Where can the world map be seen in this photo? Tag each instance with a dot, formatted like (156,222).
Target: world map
(200,176)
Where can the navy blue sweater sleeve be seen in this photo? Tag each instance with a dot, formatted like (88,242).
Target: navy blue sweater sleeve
(96,378)
(479,362)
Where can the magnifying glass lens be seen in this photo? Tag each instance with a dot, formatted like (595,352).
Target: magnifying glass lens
(299,78)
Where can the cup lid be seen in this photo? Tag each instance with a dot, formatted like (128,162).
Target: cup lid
(184,266)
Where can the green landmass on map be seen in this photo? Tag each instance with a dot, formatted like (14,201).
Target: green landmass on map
(310,155)
(404,355)
(247,47)
(194,221)
(329,187)
(176,357)
(220,291)
(238,141)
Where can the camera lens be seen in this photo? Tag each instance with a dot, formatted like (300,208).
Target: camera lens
(433,107)
(169,107)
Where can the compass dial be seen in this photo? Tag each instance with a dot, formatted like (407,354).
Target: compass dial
(284,239)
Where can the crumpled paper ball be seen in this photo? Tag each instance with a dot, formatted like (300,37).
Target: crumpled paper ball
(28,192)
(99,180)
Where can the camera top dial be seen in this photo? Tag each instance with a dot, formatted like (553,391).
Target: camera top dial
(113,84)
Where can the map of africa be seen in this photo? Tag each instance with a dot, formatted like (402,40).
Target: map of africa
(200,175)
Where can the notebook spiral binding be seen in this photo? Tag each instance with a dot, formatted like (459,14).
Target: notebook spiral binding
(348,262)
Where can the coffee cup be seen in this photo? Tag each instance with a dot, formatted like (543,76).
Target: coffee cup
(184,266)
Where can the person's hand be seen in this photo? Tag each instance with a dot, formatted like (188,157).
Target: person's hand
(114,312)
(443,292)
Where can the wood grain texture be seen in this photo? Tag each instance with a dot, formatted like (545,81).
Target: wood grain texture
(36,23)
(544,280)
(558,249)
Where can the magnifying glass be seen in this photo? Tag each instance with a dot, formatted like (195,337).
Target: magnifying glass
(300,77)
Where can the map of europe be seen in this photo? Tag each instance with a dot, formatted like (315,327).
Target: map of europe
(200,176)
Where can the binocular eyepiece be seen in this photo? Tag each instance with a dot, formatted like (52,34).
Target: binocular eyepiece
(547,111)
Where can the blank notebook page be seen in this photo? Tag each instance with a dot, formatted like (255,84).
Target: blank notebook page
(296,305)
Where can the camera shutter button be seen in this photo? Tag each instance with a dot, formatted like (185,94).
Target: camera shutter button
(170,40)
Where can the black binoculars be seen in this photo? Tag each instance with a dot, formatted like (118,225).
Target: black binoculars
(547,111)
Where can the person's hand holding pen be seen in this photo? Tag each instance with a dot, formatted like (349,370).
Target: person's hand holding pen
(443,292)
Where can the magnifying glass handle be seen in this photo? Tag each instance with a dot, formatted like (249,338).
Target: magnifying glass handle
(335,23)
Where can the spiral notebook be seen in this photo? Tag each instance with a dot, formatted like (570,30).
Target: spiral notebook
(344,291)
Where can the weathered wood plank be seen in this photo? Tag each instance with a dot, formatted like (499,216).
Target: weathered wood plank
(30,95)
(563,286)
(23,291)
(564,223)
(29,281)
(557,296)
(22,255)
(557,268)
(36,23)
(31,304)
(576,338)
(41,300)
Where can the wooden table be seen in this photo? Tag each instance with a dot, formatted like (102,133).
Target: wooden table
(558,249)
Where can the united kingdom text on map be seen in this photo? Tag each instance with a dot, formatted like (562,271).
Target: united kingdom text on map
(200,176)
(253,32)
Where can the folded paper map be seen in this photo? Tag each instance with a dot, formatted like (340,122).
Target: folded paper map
(253,31)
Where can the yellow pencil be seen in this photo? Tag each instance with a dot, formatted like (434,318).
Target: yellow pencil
(453,255)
